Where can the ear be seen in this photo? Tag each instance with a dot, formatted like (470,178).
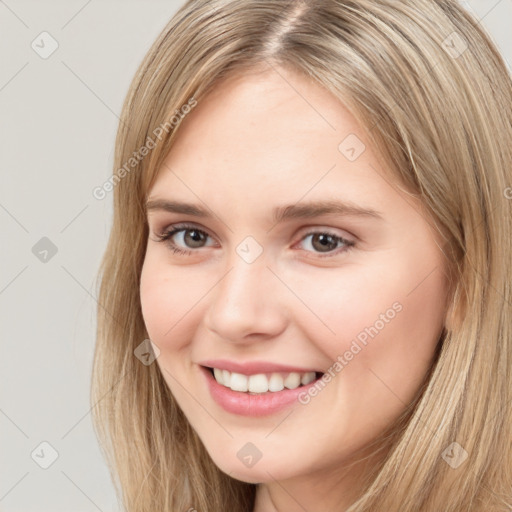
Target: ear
(454,315)
(450,321)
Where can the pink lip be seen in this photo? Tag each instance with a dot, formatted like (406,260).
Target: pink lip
(251,368)
(245,404)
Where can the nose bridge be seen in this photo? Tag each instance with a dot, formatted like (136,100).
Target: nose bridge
(244,301)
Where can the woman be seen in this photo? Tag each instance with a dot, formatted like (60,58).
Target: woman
(305,299)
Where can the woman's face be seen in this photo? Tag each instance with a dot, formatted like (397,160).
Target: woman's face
(274,282)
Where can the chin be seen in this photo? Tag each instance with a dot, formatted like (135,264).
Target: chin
(261,472)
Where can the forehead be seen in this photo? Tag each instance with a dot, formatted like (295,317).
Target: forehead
(270,139)
(266,111)
(271,119)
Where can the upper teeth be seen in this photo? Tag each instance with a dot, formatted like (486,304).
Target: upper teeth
(261,382)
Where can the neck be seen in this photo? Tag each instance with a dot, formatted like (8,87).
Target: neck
(331,489)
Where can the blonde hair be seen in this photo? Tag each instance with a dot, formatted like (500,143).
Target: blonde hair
(435,98)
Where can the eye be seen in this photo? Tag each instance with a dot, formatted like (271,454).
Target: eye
(324,243)
(190,235)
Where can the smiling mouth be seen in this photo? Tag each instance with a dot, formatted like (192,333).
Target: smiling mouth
(263,382)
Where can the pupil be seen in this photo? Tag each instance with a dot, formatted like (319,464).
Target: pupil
(326,242)
(196,237)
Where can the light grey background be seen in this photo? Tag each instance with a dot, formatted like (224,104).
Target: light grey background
(58,121)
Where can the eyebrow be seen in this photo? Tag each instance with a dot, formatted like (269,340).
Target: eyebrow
(279,214)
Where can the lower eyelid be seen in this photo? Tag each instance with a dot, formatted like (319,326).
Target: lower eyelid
(346,246)
(338,251)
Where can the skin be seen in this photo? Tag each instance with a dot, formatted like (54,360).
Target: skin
(256,142)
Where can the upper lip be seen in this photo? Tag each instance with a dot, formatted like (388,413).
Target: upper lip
(253,367)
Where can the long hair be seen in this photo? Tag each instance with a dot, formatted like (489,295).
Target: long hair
(435,98)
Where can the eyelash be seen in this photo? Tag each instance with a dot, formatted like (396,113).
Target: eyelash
(167,236)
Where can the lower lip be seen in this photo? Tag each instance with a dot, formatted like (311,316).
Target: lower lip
(245,404)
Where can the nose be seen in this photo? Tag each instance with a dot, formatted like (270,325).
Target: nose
(247,303)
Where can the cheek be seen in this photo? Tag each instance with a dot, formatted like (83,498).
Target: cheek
(343,303)
(167,298)
(387,318)
(386,331)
